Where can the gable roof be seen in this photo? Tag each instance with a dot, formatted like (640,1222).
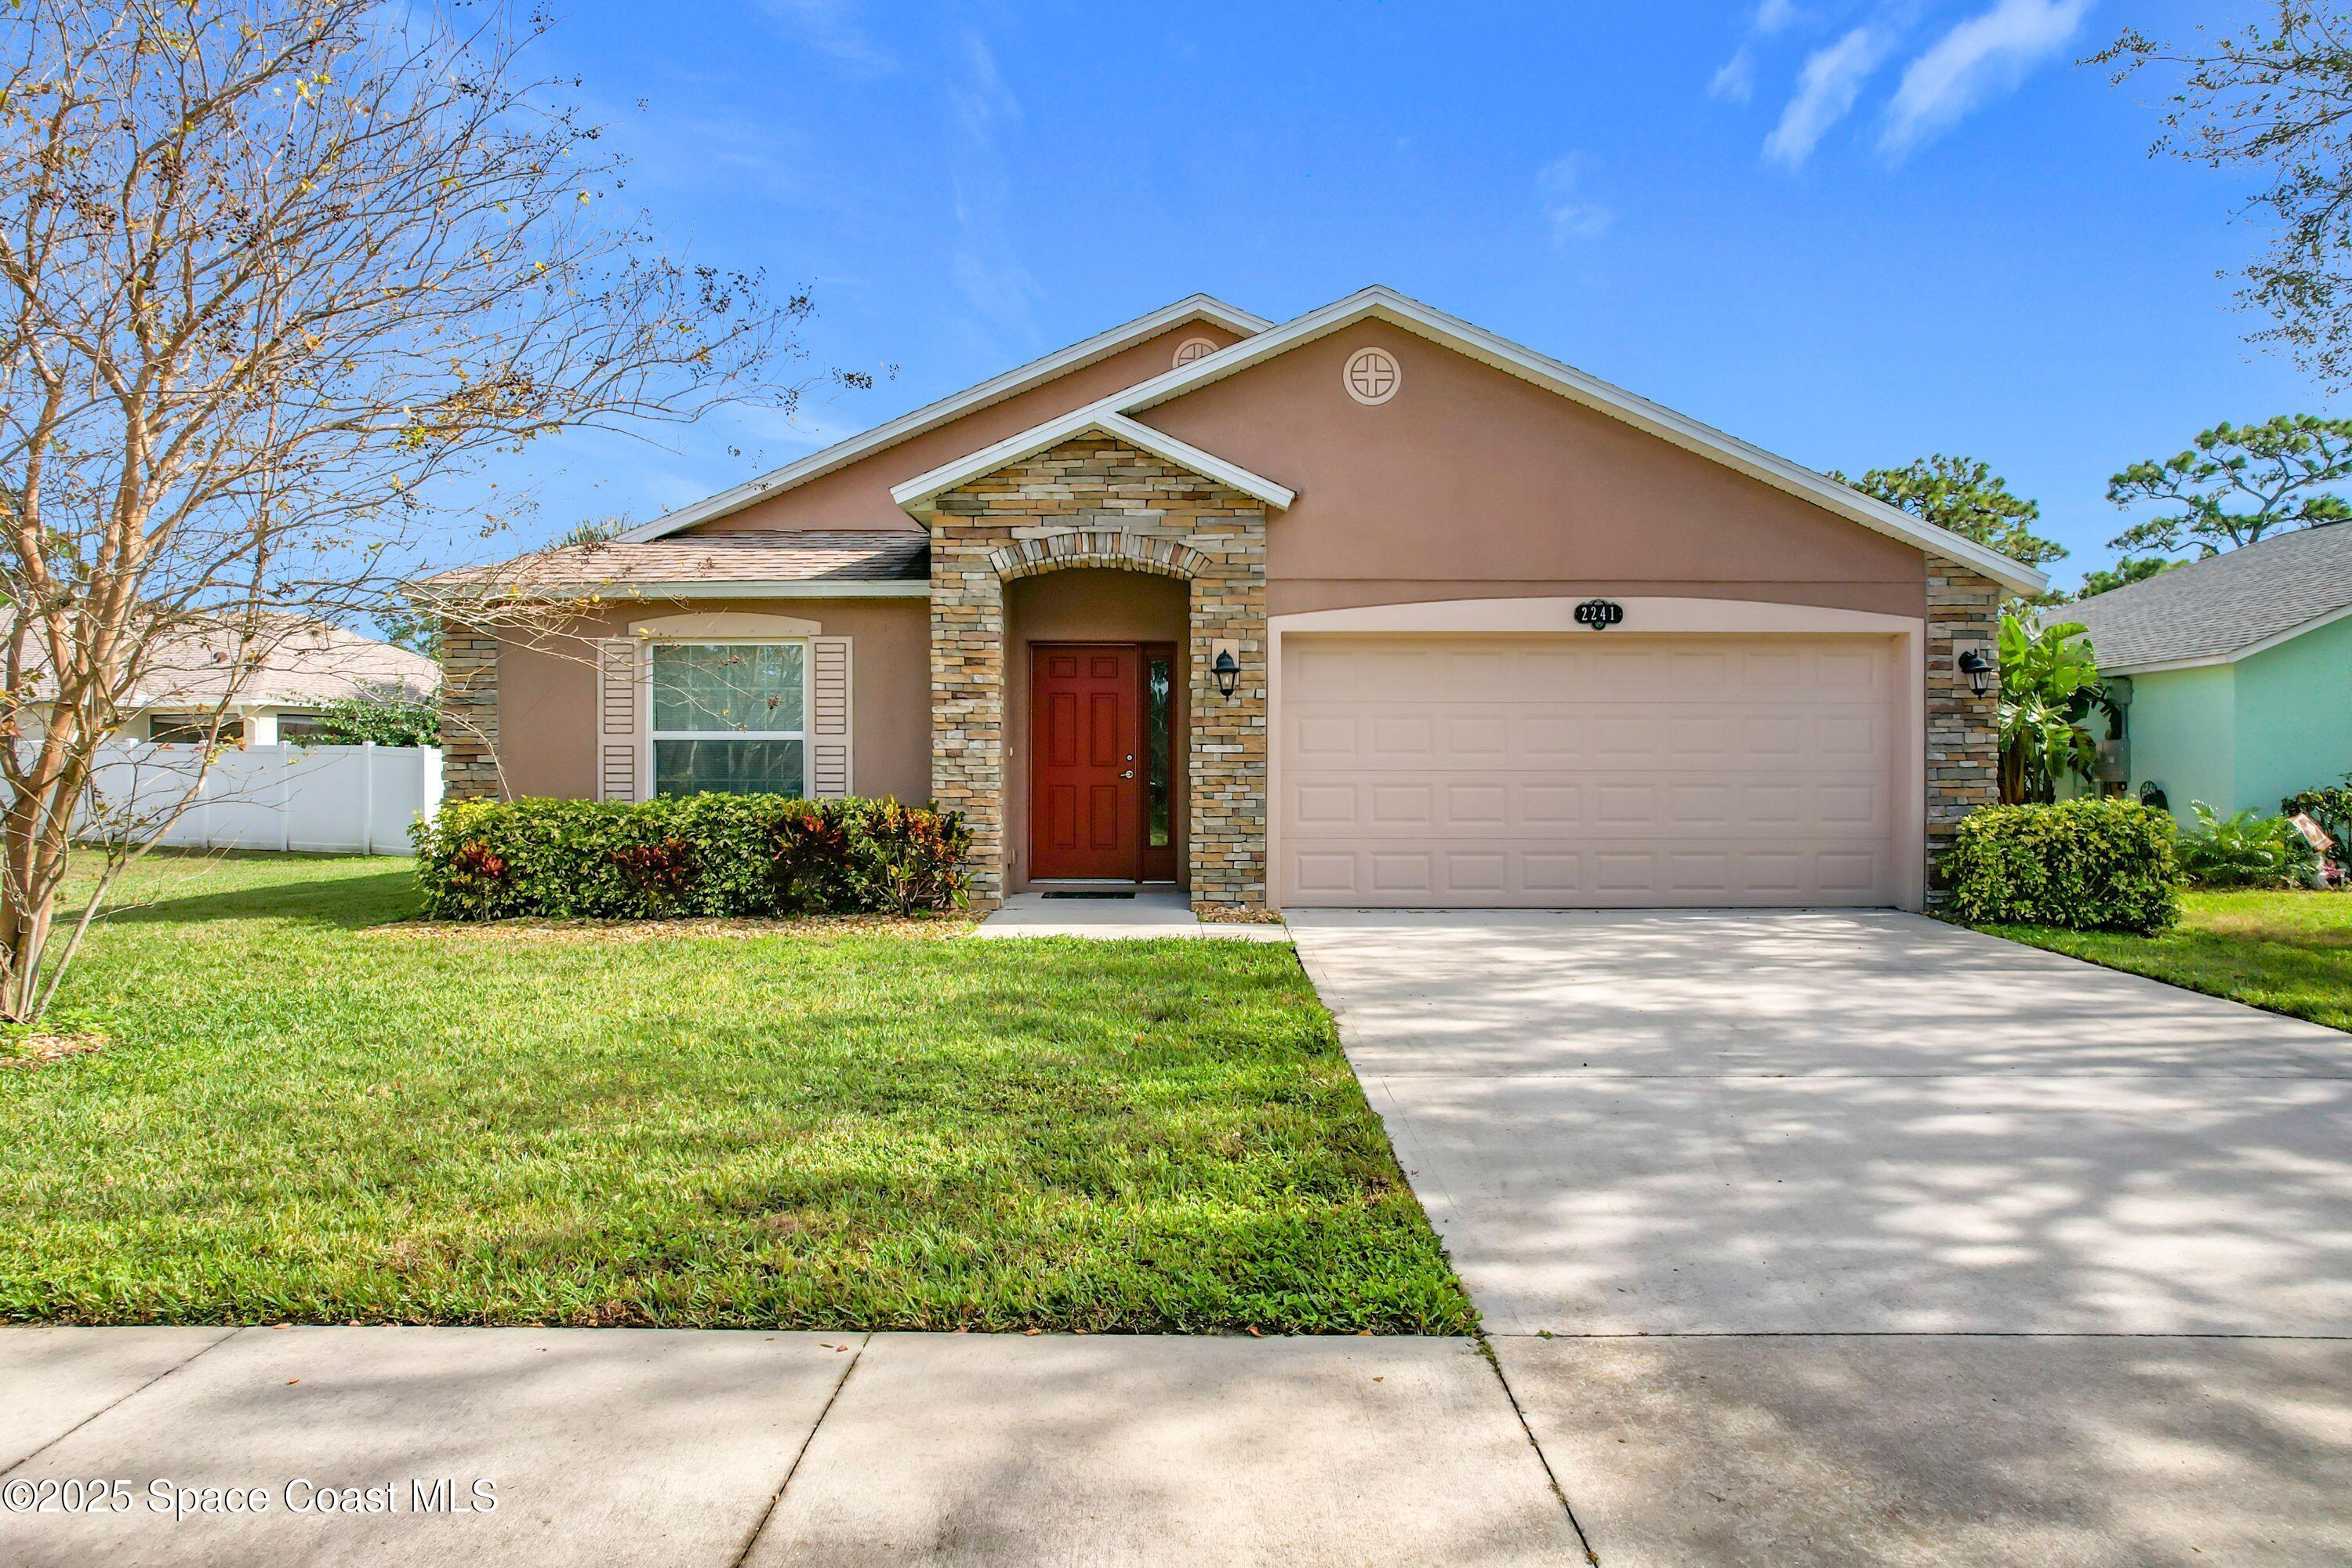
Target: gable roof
(2224,607)
(295,659)
(917,494)
(931,415)
(1388,305)
(845,563)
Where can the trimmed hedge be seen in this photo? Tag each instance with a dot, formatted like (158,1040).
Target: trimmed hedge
(692,855)
(2087,865)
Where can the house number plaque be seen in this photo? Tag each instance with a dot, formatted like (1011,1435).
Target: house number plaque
(1600,613)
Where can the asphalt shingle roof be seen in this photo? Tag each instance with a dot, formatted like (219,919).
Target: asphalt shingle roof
(290,659)
(2218,606)
(771,555)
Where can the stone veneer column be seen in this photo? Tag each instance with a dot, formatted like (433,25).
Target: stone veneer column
(968,693)
(470,713)
(1226,843)
(1097,502)
(1963,729)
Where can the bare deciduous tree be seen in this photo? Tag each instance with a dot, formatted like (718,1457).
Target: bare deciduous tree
(269,270)
(2274,98)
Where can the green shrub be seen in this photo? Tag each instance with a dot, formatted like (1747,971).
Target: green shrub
(2089,865)
(694,855)
(2330,805)
(2246,850)
(387,721)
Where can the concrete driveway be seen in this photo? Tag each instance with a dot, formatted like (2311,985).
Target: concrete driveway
(1834,1238)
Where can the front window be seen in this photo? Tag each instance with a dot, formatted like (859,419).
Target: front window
(726,718)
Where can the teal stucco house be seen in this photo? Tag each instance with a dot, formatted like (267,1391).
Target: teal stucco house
(2236,673)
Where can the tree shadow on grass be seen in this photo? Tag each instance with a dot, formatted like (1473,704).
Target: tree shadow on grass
(347,903)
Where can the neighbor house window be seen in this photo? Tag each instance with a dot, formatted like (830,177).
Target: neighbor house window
(295,729)
(193,730)
(726,718)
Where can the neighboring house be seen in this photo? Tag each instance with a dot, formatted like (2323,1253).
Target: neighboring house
(1288,614)
(2236,671)
(273,695)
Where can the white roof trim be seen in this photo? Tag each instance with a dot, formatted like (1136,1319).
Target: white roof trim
(996,389)
(1689,433)
(2206,661)
(917,494)
(706,588)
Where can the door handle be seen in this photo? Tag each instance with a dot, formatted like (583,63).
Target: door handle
(1128,774)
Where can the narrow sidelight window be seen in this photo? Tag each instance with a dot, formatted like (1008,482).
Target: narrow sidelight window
(1158,692)
(729,718)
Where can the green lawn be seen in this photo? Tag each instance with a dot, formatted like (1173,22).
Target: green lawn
(307,1117)
(2288,952)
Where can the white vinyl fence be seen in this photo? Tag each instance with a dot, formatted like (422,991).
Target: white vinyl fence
(353,800)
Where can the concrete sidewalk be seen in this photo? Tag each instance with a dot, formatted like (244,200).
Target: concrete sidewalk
(691,1448)
(1116,914)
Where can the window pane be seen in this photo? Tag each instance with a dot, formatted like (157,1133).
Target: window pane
(296,728)
(727,767)
(721,687)
(193,730)
(1159,687)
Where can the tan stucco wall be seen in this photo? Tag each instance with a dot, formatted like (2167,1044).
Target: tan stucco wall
(858,495)
(1470,483)
(1083,607)
(547,694)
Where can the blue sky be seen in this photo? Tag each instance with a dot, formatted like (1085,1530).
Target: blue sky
(1854,233)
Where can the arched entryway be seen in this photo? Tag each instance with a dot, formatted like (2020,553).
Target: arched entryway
(1093,510)
(1096,698)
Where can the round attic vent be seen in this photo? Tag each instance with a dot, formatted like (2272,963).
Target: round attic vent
(1372,375)
(1192,348)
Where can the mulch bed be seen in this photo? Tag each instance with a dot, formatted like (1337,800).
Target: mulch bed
(933,927)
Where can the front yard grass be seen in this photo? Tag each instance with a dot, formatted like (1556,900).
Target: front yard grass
(304,1118)
(2289,951)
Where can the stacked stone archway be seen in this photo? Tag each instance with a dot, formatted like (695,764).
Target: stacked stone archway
(1096,502)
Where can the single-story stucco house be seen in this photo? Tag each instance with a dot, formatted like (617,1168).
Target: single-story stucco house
(265,690)
(1368,607)
(2235,672)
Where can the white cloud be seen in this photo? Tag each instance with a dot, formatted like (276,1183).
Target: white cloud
(1736,78)
(1988,53)
(1825,91)
(1773,15)
(1571,218)
(830,27)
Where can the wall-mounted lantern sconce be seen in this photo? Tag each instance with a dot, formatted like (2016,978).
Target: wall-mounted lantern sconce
(1228,671)
(1979,669)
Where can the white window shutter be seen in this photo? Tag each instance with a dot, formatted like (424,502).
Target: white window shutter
(829,716)
(618,739)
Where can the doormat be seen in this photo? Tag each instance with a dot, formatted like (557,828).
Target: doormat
(1090,894)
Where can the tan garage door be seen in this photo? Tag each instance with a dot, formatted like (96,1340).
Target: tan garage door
(1599,769)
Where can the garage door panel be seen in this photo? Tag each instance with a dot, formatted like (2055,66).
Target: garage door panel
(1546,805)
(1327,735)
(1555,770)
(1633,876)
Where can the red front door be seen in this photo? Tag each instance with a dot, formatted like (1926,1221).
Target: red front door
(1085,816)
